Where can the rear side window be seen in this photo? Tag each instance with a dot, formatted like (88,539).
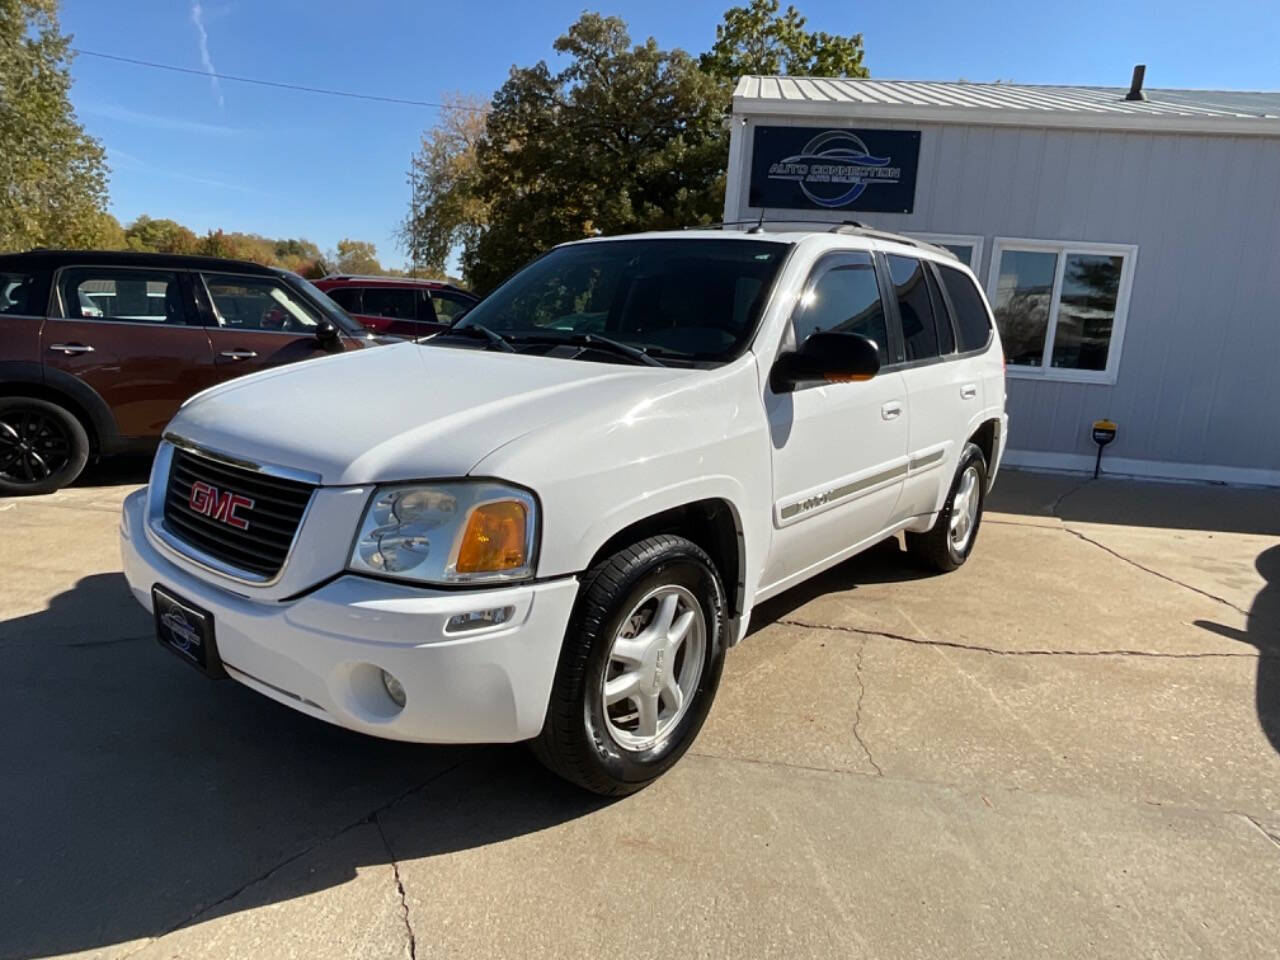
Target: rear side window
(125,295)
(390,302)
(348,298)
(845,299)
(972,322)
(449,307)
(915,307)
(17,294)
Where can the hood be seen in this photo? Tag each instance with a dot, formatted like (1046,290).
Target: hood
(404,412)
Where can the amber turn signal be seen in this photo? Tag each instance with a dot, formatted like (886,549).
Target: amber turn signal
(494,539)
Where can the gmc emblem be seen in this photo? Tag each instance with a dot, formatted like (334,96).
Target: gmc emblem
(220,505)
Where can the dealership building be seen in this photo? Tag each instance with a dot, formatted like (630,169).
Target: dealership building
(1128,240)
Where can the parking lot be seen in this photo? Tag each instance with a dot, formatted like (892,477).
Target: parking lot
(1067,747)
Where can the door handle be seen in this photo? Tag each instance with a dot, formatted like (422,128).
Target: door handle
(239,354)
(891,410)
(968,391)
(71,349)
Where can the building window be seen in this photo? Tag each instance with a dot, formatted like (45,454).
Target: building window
(968,250)
(1061,307)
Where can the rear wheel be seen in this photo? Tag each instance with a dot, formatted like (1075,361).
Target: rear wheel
(949,543)
(42,446)
(640,666)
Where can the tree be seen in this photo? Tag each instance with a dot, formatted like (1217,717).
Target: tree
(444,210)
(160,236)
(624,138)
(53,176)
(756,39)
(356,256)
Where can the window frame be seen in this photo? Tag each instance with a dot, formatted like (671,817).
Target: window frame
(938,239)
(1062,249)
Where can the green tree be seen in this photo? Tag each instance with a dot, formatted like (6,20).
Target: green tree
(444,210)
(623,138)
(160,236)
(757,39)
(53,176)
(356,256)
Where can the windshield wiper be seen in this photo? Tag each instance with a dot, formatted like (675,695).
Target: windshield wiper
(479,330)
(596,340)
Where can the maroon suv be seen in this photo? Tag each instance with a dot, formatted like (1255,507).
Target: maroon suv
(399,306)
(98,350)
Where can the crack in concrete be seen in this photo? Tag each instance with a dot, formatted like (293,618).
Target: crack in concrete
(1155,573)
(1263,830)
(369,817)
(996,651)
(857,712)
(1053,507)
(404,900)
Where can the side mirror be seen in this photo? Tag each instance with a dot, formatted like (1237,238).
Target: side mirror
(327,334)
(826,358)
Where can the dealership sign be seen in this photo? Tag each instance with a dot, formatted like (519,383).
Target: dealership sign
(802,168)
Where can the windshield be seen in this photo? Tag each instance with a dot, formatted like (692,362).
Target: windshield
(687,299)
(326,304)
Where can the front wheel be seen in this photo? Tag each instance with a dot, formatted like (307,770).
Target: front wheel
(639,669)
(949,543)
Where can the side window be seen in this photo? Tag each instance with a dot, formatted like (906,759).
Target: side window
(946,332)
(845,299)
(390,302)
(449,307)
(17,294)
(970,312)
(257,303)
(129,296)
(915,307)
(348,298)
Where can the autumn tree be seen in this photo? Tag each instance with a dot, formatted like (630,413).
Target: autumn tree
(758,39)
(355,256)
(160,236)
(445,211)
(53,176)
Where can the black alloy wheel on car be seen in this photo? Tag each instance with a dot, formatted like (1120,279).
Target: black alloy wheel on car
(42,446)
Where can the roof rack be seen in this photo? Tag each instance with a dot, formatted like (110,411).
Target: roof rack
(849,227)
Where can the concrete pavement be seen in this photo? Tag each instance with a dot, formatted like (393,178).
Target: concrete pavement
(1067,748)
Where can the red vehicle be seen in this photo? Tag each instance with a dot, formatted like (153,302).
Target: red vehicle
(98,350)
(399,306)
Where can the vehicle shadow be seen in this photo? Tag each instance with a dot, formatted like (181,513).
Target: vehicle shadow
(1262,630)
(117,469)
(137,795)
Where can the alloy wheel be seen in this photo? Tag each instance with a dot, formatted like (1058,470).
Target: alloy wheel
(33,445)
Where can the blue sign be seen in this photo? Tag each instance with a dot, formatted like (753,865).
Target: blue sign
(805,168)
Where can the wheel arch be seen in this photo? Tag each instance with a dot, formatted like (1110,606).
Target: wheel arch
(79,399)
(986,436)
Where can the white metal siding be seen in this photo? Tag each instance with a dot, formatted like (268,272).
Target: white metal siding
(1199,377)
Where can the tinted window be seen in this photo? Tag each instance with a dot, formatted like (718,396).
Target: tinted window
(16,294)
(258,303)
(1086,311)
(970,311)
(698,299)
(915,307)
(390,302)
(946,333)
(1024,290)
(133,296)
(346,297)
(845,299)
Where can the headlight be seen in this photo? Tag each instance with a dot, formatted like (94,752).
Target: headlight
(464,532)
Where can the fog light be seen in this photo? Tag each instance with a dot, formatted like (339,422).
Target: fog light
(394,690)
(478,619)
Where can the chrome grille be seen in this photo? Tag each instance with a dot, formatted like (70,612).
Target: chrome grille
(270,522)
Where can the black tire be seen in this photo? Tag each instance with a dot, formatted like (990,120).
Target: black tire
(576,741)
(43,447)
(936,550)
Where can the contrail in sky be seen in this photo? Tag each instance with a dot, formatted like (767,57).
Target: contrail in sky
(197,17)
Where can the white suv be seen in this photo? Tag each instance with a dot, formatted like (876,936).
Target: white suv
(550,522)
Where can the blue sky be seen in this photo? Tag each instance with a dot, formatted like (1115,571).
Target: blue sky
(285,163)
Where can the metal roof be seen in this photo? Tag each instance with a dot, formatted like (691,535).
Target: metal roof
(1199,111)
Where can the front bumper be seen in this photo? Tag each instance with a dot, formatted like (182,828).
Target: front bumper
(322,653)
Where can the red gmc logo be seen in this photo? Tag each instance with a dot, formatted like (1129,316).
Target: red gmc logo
(220,505)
